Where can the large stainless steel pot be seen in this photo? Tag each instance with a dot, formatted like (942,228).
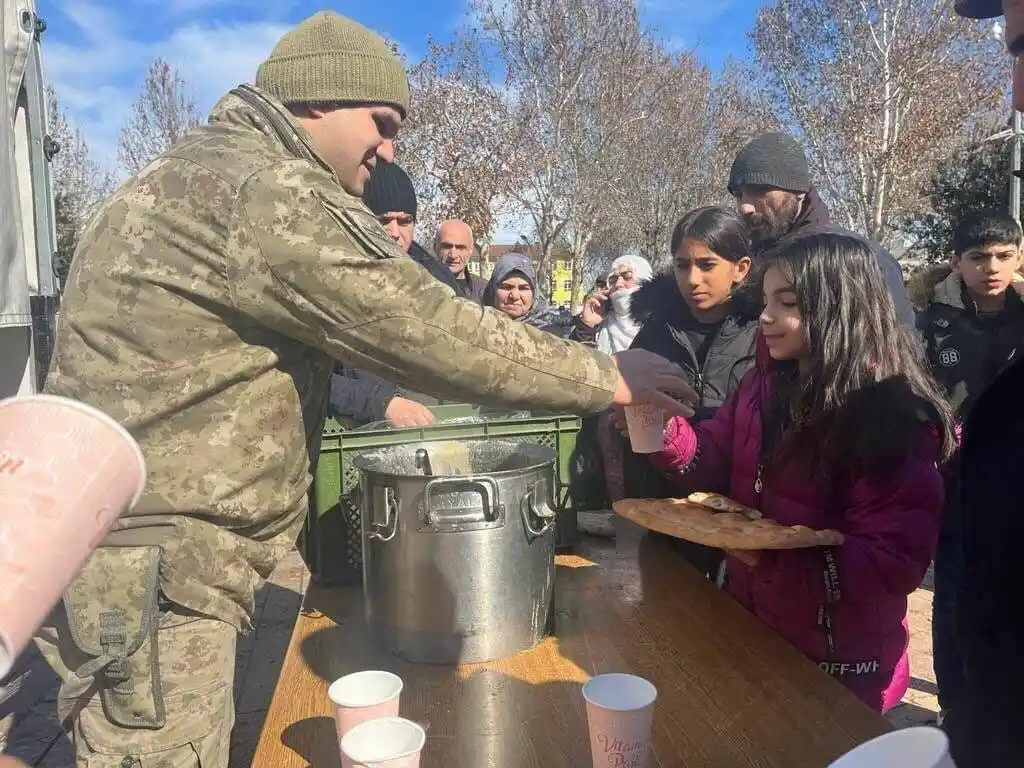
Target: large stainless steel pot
(458,548)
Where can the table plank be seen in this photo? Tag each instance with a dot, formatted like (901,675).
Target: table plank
(731,693)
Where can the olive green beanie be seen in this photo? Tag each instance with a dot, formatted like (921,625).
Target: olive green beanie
(329,59)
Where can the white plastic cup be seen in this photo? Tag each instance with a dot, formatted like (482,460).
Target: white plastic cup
(620,710)
(646,425)
(921,747)
(363,696)
(389,742)
(67,472)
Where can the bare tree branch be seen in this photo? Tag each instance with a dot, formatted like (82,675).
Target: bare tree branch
(163,113)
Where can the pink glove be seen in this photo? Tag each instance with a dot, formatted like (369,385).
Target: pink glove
(679,446)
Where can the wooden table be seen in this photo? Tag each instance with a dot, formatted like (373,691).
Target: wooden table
(731,693)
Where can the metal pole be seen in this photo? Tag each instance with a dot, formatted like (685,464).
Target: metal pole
(1015,167)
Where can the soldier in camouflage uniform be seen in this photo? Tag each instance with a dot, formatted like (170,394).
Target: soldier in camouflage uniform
(204,310)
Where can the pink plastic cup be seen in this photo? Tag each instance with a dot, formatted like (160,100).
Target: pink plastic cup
(363,696)
(922,747)
(389,742)
(67,471)
(646,425)
(620,710)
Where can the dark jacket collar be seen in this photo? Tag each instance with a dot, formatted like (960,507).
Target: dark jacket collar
(813,213)
(659,300)
(425,259)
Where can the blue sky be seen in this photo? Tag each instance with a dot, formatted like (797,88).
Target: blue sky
(95,52)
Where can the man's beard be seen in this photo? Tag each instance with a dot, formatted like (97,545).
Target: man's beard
(767,229)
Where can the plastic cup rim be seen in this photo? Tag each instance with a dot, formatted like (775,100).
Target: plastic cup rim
(67,402)
(651,689)
(935,738)
(338,700)
(421,740)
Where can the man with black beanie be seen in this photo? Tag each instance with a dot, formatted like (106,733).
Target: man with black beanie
(359,397)
(771,182)
(985,727)
(390,195)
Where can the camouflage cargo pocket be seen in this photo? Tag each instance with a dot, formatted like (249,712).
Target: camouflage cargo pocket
(113,618)
(197,657)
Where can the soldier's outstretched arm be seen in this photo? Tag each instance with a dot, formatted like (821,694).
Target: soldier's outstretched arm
(313,263)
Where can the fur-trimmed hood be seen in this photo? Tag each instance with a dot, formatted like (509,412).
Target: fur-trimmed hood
(659,300)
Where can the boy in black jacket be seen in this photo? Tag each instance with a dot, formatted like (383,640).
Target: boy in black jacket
(973,326)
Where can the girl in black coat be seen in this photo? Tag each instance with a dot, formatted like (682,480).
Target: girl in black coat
(701,316)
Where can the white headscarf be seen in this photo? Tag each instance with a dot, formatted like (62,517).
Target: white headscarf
(618,329)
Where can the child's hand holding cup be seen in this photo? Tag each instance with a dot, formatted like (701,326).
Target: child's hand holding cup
(646,425)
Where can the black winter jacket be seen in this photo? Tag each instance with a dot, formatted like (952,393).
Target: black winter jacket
(967,352)
(665,318)
(985,729)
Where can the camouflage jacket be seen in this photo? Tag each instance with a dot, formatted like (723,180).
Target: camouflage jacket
(206,304)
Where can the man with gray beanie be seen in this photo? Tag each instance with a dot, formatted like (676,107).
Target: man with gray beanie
(984,725)
(206,305)
(771,182)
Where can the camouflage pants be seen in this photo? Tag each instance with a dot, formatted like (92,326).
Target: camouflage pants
(195,665)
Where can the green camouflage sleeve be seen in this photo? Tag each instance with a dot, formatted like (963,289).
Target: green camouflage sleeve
(311,262)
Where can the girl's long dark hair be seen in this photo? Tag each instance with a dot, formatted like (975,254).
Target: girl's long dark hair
(862,398)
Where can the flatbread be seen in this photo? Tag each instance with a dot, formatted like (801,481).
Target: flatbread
(720,503)
(723,530)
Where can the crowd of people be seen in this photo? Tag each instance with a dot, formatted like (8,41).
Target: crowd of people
(814,402)
(267,267)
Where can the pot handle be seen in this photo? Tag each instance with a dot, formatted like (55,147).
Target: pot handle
(487,484)
(532,507)
(386,531)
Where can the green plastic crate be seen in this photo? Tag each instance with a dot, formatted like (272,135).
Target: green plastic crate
(331,542)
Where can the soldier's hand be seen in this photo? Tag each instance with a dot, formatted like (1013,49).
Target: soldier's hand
(648,379)
(404,413)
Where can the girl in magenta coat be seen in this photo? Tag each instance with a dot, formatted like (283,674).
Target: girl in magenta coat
(838,426)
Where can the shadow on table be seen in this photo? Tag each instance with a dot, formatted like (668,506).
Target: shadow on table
(618,609)
(475,716)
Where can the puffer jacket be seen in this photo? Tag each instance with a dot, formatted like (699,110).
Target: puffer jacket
(965,350)
(890,522)
(665,317)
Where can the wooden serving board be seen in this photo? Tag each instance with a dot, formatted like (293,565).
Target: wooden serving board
(724,530)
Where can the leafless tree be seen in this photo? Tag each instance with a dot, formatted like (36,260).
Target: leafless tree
(879,91)
(460,145)
(162,114)
(80,182)
(670,163)
(583,77)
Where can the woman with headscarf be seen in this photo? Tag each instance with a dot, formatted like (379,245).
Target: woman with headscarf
(512,289)
(606,322)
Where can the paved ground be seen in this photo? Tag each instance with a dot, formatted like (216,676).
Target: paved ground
(28,724)
(27,717)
